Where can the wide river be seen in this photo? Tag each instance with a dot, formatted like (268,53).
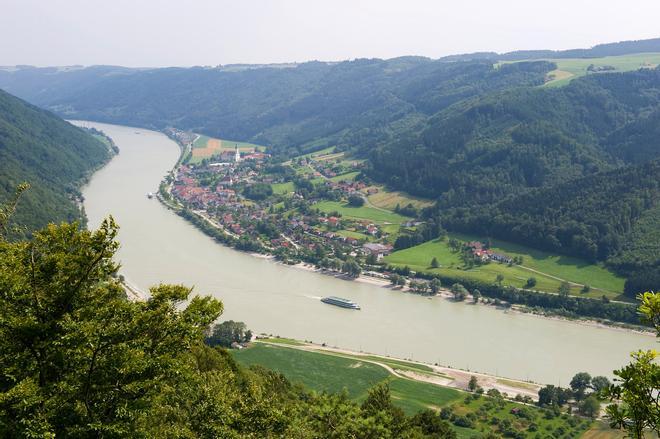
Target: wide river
(159,246)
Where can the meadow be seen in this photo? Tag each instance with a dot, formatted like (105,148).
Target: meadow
(390,199)
(549,272)
(571,68)
(361,213)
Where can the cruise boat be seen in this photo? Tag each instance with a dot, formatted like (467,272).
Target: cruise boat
(338,301)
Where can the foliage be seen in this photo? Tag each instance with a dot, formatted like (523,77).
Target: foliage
(228,332)
(638,409)
(355,201)
(258,191)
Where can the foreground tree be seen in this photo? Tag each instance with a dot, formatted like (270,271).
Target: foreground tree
(76,357)
(638,391)
(228,332)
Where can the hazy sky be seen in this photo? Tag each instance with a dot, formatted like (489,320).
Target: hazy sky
(210,32)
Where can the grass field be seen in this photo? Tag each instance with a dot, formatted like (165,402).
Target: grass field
(328,372)
(573,270)
(283,188)
(414,396)
(349,176)
(316,371)
(569,69)
(389,200)
(352,234)
(361,213)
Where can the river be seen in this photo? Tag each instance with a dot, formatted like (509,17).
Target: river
(159,246)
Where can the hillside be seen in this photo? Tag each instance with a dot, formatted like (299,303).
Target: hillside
(49,153)
(293,110)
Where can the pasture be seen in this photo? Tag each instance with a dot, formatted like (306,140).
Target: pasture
(361,213)
(389,200)
(548,269)
(571,68)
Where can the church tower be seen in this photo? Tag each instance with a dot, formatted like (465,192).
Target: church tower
(237,156)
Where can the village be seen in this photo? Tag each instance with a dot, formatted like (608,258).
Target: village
(233,190)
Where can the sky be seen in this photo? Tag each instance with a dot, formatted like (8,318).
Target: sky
(152,33)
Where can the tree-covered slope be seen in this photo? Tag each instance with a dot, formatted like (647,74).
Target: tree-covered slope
(483,149)
(52,155)
(353,103)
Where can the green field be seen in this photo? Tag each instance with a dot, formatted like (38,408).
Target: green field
(316,371)
(414,396)
(361,213)
(283,188)
(352,234)
(329,372)
(389,200)
(569,69)
(573,270)
(349,176)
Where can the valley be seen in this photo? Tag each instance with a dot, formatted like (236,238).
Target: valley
(158,246)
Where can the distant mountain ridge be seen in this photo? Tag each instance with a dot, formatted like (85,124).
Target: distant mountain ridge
(52,155)
(597,51)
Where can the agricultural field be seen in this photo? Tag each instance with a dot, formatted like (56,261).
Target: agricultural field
(316,371)
(548,269)
(349,176)
(205,147)
(569,69)
(361,213)
(322,371)
(389,200)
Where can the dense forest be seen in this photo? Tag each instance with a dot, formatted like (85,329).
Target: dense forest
(51,155)
(291,109)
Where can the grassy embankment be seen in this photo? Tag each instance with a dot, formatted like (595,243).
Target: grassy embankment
(320,371)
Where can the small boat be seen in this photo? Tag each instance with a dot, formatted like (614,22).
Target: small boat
(150,195)
(338,301)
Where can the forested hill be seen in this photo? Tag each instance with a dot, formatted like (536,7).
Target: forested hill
(50,154)
(290,109)
(599,50)
(492,146)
